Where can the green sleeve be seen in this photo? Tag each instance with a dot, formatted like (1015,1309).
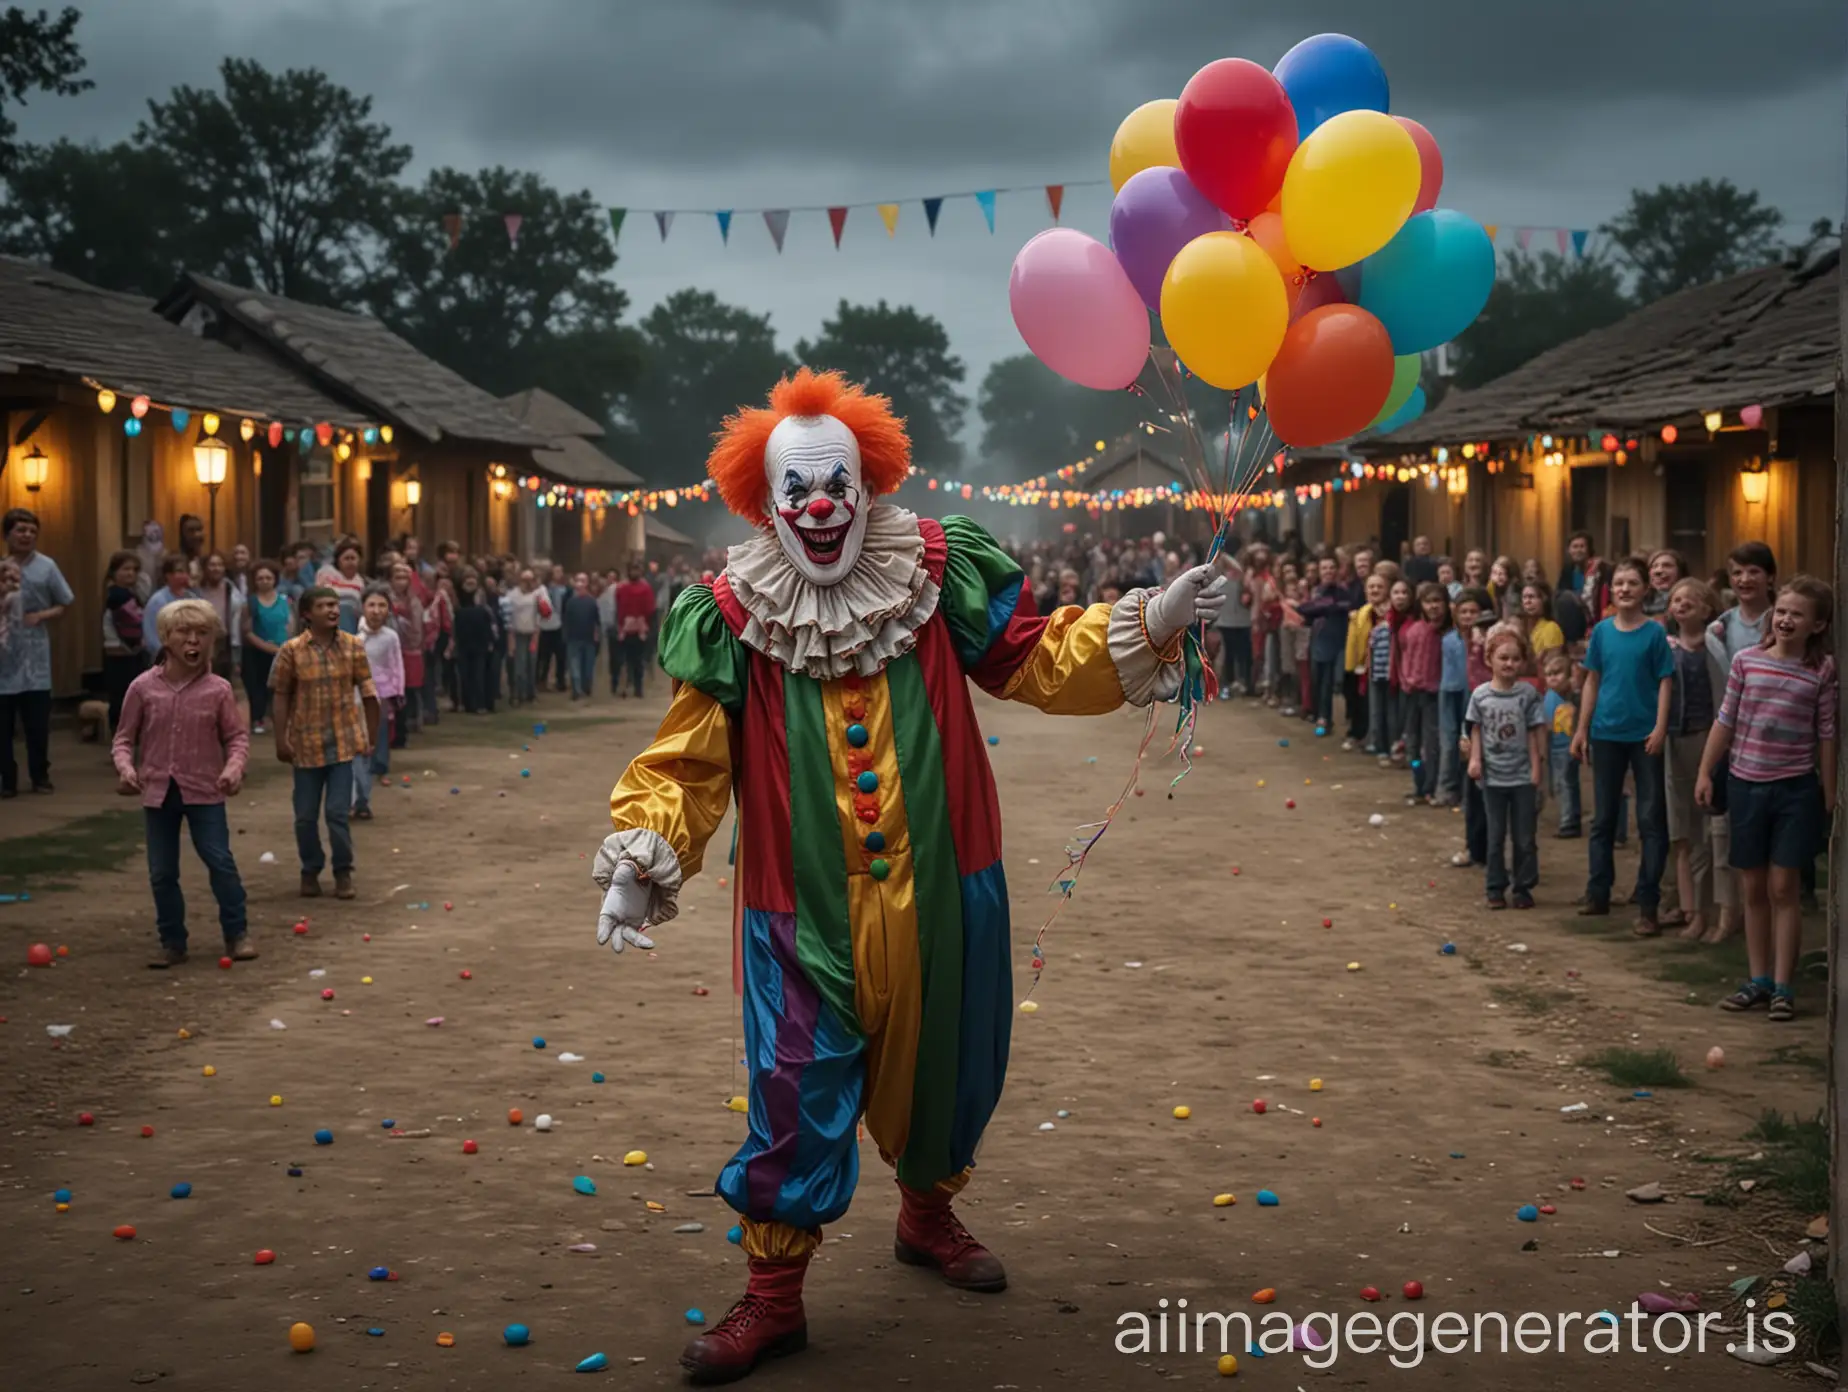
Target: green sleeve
(698,648)
(981,589)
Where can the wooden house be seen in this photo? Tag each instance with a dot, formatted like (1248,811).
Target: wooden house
(576,537)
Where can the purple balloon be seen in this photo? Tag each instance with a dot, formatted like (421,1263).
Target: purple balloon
(1157,212)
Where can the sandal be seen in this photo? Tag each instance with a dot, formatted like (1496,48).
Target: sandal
(1783,1006)
(1677,919)
(1748,997)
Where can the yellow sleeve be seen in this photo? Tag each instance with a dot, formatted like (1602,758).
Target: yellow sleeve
(1070,670)
(680,786)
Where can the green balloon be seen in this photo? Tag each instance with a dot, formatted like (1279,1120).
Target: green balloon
(1404,383)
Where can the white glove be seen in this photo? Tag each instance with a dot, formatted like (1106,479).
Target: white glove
(625,910)
(1194,596)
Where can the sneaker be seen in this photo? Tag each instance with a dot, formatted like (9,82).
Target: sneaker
(1347,746)
(1462,861)
(1783,1006)
(260,728)
(1523,900)
(1497,901)
(1748,997)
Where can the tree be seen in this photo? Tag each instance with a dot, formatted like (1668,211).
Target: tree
(37,54)
(284,173)
(904,355)
(64,207)
(1035,421)
(701,359)
(543,313)
(1820,231)
(1537,303)
(1688,234)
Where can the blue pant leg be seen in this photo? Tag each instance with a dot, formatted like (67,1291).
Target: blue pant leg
(211,838)
(163,829)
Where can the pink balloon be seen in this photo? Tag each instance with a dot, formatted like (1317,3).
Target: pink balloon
(1321,289)
(1751,417)
(1430,164)
(1077,310)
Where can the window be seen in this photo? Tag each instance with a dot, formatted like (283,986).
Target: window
(316,501)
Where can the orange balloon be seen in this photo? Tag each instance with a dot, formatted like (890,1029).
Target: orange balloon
(1266,229)
(1330,377)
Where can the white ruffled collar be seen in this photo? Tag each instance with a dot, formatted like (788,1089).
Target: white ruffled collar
(857,625)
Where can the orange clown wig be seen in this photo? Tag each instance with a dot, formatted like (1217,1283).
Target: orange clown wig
(736,464)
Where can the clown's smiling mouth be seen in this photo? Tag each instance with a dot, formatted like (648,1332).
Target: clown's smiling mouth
(823,544)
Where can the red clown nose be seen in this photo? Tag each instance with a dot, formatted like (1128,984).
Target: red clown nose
(821,509)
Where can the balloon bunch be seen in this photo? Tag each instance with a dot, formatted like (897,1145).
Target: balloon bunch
(1286,230)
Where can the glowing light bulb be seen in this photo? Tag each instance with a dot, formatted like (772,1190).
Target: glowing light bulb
(1712,421)
(209,422)
(106,399)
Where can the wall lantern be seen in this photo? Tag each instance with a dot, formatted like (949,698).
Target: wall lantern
(1754,482)
(34,469)
(413,493)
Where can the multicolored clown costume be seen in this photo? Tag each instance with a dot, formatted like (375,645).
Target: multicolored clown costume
(822,680)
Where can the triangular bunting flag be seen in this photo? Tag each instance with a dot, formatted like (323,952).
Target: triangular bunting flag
(616,217)
(1563,237)
(777,220)
(724,217)
(932,207)
(1579,234)
(452,224)
(888,214)
(664,221)
(1524,235)
(1055,199)
(987,202)
(837,219)
(1491,228)
(513,221)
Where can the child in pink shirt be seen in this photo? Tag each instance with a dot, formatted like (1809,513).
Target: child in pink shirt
(1419,667)
(193,748)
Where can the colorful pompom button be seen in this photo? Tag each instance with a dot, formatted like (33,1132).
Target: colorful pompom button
(879,869)
(875,841)
(857,736)
(867,782)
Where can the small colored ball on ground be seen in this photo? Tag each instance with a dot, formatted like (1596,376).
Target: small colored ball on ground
(1260,782)
(224,964)
(275,1099)
(636,1157)
(301,930)
(180,1191)
(147,1132)
(584,1184)
(445,1340)
(596,1077)
(1315,1085)
(696,1316)
(1283,744)
(1578,1183)
(1320,731)
(64,1208)
(125,1233)
(1716,1057)
(1369,1293)
(1228,1365)
(209,1071)
(1328,923)
(327,993)
(994,739)
(1235,870)
(1266,1199)
(467,975)
(378,1273)
(538,1041)
(1448,949)
(701,991)
(1224,1200)
(1547,1210)
(387,1124)
(469,1147)
(301,1338)
(85,1119)
(596,1363)
(324,1137)
(1414,1290)
(517,1335)
(1264,1297)
(1316,1122)
(365,981)
(1527,1213)
(526,773)
(448,907)
(1258,1105)
(515,1116)
(735,1234)
(1353,966)
(62,1196)
(295,1172)
(1029,1007)
(365,937)
(542,1122)
(265,1257)
(1182,1113)
(38,955)
(737,1104)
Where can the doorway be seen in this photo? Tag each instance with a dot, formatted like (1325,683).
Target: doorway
(1591,494)
(1686,495)
(1395,521)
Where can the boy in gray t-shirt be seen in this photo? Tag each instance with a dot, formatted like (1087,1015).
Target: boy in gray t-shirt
(1506,719)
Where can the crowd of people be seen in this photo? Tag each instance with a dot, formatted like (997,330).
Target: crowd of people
(1704,709)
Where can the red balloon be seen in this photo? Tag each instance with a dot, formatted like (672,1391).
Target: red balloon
(1430,164)
(1235,132)
(1331,376)
(1320,288)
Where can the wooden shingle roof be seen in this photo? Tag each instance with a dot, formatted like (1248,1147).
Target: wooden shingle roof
(1768,337)
(358,356)
(571,457)
(61,326)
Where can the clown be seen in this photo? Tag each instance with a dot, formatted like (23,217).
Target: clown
(823,680)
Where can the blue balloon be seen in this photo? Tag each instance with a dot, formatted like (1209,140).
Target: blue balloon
(1328,74)
(1430,281)
(1413,408)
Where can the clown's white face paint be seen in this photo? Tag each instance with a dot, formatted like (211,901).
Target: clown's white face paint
(818,501)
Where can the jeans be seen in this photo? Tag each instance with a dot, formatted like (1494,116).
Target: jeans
(581,657)
(257,664)
(1235,657)
(211,838)
(378,762)
(1421,740)
(1451,708)
(635,659)
(613,641)
(1324,673)
(1354,692)
(1514,810)
(1566,789)
(1382,716)
(520,677)
(1475,823)
(34,711)
(332,783)
(1610,761)
(552,657)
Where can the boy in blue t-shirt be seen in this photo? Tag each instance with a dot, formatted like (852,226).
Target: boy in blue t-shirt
(1561,718)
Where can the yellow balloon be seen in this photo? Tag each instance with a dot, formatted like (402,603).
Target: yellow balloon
(1224,308)
(1145,140)
(1349,188)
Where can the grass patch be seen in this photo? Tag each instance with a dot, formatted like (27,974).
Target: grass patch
(1527,999)
(1796,1056)
(52,860)
(1795,1159)
(1639,1068)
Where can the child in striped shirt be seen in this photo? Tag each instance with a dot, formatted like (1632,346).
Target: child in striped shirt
(1777,727)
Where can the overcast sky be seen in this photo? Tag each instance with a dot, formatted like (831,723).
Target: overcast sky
(1548,112)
